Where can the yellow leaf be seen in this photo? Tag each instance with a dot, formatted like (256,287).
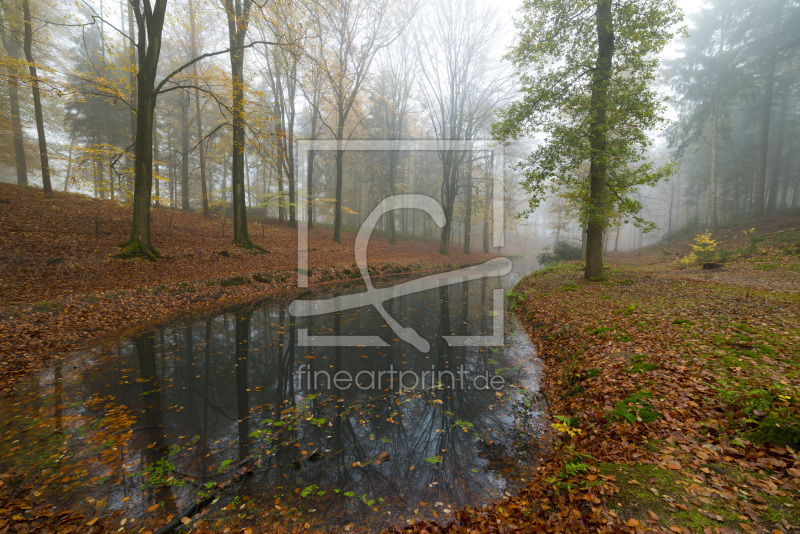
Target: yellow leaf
(92,521)
(152,508)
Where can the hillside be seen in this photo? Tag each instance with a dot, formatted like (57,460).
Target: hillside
(61,286)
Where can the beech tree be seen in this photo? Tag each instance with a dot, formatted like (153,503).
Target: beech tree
(350,33)
(27,47)
(460,90)
(149,26)
(586,71)
(397,72)
(238,14)
(11,20)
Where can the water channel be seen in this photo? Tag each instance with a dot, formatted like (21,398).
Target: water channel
(140,427)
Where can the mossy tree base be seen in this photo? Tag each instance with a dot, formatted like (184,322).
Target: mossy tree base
(246,244)
(134,249)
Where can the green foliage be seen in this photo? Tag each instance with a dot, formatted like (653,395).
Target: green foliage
(562,251)
(160,474)
(635,407)
(515,297)
(554,57)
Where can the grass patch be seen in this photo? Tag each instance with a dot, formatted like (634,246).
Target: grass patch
(644,367)
(648,489)
(635,407)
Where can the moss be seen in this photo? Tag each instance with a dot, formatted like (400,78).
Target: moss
(648,488)
(635,407)
(644,367)
(234,281)
(262,278)
(134,249)
(778,429)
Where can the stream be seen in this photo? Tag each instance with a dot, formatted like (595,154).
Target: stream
(334,435)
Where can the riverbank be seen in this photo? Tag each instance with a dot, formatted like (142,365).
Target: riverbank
(62,288)
(674,392)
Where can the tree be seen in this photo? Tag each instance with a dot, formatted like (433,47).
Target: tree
(95,112)
(149,27)
(8,25)
(708,66)
(238,14)
(281,75)
(394,83)
(312,87)
(350,33)
(197,108)
(461,87)
(27,47)
(586,70)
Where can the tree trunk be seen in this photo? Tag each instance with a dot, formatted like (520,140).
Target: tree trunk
(16,127)
(290,171)
(787,179)
(132,72)
(310,180)
(390,221)
(712,187)
(766,112)
(238,16)
(337,217)
(155,166)
(143,163)
(69,159)
(14,51)
(241,236)
(279,169)
(777,160)
(468,210)
(487,209)
(449,178)
(598,140)
(184,103)
(151,24)
(198,114)
(37,101)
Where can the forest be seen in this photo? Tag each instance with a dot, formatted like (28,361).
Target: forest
(435,266)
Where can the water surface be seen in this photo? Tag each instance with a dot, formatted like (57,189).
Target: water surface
(140,427)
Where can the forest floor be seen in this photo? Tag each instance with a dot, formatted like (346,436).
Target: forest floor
(62,288)
(675,392)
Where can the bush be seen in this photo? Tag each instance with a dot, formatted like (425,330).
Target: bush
(562,251)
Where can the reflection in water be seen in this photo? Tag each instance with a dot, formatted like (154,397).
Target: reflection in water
(176,412)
